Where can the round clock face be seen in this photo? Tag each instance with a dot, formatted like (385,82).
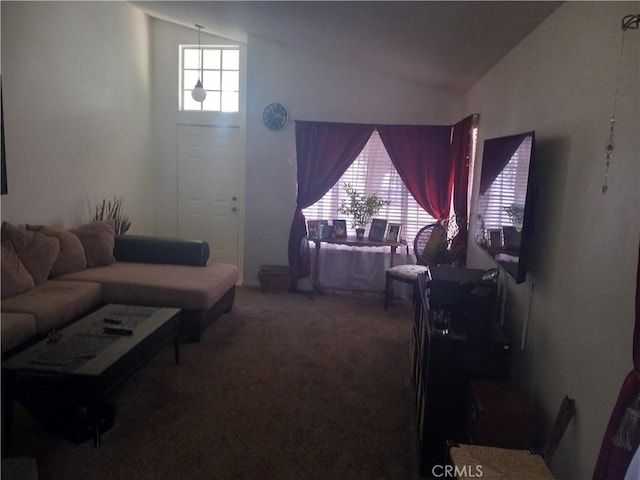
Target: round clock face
(275,116)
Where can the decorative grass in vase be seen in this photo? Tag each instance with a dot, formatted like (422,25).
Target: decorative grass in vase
(113,210)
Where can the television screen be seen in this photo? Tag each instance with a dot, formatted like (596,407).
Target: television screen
(505,205)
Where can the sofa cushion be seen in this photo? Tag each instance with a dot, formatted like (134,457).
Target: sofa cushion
(172,251)
(37,252)
(71,257)
(407,272)
(16,328)
(15,278)
(98,240)
(158,285)
(55,302)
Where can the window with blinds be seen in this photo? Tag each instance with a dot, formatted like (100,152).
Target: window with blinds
(508,191)
(373,172)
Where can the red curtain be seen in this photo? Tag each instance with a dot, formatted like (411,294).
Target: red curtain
(459,157)
(324,152)
(421,157)
(622,436)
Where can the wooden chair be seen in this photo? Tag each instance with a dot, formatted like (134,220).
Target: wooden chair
(515,463)
(565,414)
(429,245)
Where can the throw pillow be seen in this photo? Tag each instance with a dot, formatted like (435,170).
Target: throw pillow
(71,257)
(98,239)
(36,251)
(15,278)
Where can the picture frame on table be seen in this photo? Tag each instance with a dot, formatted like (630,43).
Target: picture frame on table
(340,228)
(326,231)
(313,229)
(511,238)
(378,227)
(393,232)
(495,237)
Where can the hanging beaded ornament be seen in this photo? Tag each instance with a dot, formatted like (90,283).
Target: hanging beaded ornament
(628,22)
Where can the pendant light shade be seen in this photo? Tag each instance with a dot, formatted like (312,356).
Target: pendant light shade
(199,93)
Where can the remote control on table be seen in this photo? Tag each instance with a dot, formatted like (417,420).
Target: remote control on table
(118,330)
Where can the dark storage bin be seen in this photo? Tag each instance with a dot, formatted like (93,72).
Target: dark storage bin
(274,278)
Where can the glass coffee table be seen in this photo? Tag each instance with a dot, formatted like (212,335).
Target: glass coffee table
(89,358)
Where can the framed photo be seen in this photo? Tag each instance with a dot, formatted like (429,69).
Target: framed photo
(511,238)
(340,228)
(378,227)
(313,228)
(495,237)
(393,233)
(326,231)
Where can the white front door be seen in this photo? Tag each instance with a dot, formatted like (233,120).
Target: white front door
(209,166)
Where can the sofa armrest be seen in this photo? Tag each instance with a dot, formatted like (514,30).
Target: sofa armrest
(149,249)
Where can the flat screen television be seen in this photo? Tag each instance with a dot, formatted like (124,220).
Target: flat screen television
(504,221)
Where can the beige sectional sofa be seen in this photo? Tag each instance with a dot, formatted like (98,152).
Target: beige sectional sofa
(51,277)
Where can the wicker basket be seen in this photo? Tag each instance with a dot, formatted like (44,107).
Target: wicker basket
(274,278)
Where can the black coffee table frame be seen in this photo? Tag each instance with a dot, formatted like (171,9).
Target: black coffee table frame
(24,375)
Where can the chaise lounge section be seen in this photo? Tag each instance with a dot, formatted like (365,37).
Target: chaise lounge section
(163,272)
(51,277)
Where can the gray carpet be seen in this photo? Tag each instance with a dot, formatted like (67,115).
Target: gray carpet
(287,386)
(19,468)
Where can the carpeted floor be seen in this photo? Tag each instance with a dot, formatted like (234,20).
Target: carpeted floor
(287,386)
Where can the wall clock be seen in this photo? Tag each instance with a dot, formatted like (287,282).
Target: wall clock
(275,116)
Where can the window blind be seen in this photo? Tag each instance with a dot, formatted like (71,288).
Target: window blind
(509,188)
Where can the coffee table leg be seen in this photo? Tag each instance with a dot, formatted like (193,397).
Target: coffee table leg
(96,421)
(176,348)
(7,413)
(176,338)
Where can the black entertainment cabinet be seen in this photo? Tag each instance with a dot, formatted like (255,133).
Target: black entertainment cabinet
(442,365)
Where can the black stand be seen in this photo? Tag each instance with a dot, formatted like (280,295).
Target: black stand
(443,364)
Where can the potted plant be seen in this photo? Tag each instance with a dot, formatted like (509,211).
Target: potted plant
(361,208)
(516,215)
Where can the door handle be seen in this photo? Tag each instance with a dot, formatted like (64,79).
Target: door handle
(234,209)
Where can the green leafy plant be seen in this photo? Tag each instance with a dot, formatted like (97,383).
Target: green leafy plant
(361,208)
(516,214)
(113,210)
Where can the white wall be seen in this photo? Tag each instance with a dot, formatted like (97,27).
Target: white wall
(312,88)
(77,113)
(560,82)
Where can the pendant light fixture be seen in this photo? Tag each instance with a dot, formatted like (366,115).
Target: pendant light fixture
(199,93)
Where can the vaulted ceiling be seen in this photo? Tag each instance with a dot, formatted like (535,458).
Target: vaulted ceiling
(447,44)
